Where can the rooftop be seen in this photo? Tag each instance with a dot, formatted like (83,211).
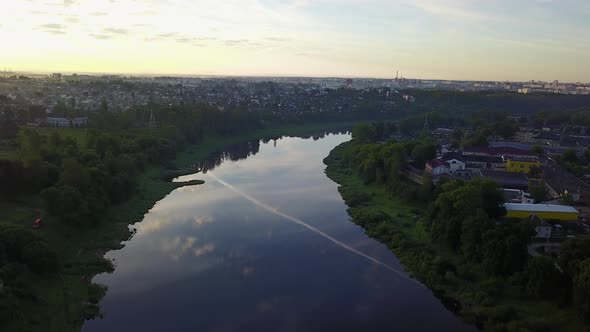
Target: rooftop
(434,163)
(540,208)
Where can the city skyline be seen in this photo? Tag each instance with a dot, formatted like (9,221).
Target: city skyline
(427,39)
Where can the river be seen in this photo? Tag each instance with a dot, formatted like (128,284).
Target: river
(264,245)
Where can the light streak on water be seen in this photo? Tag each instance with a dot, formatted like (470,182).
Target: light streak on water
(310,227)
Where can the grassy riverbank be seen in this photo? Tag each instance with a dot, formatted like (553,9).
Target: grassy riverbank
(492,303)
(63,301)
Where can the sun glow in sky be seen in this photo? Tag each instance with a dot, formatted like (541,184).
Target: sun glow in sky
(448,39)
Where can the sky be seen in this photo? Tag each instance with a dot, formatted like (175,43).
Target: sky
(517,40)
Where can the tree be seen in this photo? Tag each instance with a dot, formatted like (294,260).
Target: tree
(66,203)
(570,156)
(423,152)
(538,150)
(543,280)
(364,133)
(582,288)
(471,235)
(567,199)
(75,175)
(458,135)
(8,126)
(572,252)
(538,191)
(60,108)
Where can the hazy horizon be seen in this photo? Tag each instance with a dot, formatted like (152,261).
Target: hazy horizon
(425,39)
(181,75)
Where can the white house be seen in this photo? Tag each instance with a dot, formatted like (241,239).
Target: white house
(437,167)
(455,165)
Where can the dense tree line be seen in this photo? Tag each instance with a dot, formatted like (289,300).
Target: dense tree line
(463,217)
(79,178)
(22,253)
(385,162)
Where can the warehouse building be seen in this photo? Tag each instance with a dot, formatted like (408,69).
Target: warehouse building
(543,211)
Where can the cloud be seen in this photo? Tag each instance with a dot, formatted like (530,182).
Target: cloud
(64,3)
(209,247)
(236,42)
(203,220)
(185,40)
(53,28)
(176,247)
(108,33)
(181,39)
(115,31)
(449,9)
(278,39)
(98,14)
(72,19)
(167,35)
(100,36)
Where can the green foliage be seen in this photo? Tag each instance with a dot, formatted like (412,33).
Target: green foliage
(471,235)
(538,191)
(538,150)
(421,153)
(570,156)
(455,203)
(542,279)
(582,288)
(572,252)
(21,246)
(364,133)
(567,199)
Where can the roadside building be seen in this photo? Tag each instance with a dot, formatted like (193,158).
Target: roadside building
(543,211)
(455,165)
(506,151)
(437,167)
(479,162)
(560,182)
(521,165)
(517,196)
(80,122)
(57,122)
(507,180)
(65,122)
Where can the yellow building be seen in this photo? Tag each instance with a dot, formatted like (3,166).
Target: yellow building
(543,211)
(521,165)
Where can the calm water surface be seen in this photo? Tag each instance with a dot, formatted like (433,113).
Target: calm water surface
(215,258)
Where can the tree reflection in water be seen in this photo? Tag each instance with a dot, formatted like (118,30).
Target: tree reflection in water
(249,148)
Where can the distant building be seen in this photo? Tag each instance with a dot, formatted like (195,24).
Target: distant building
(65,122)
(525,136)
(409,98)
(455,165)
(543,211)
(506,180)
(437,167)
(521,165)
(348,83)
(483,162)
(517,196)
